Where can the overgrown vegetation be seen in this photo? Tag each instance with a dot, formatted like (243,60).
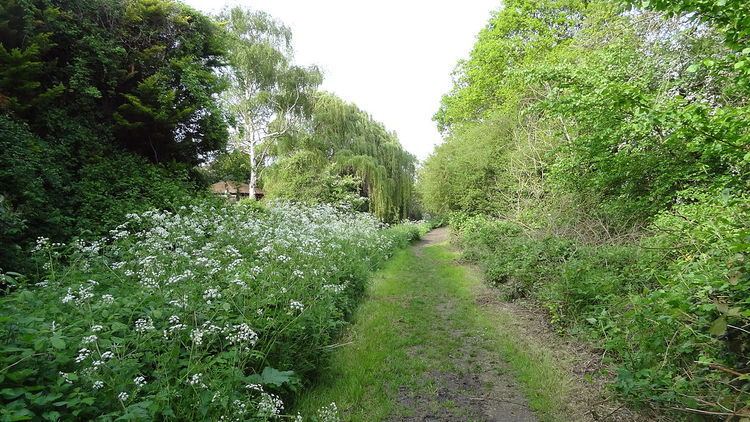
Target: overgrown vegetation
(106,107)
(597,159)
(126,291)
(342,154)
(210,313)
(110,107)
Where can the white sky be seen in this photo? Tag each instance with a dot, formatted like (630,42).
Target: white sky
(393,58)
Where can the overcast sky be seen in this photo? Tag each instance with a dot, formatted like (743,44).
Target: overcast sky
(393,58)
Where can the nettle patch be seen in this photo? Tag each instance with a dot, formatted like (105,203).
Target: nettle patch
(212,313)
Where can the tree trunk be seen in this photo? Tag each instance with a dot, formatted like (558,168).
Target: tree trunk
(253,174)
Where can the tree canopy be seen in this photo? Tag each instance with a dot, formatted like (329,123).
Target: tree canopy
(267,92)
(342,141)
(92,94)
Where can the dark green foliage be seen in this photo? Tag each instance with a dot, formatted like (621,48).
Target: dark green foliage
(139,72)
(35,186)
(87,88)
(233,165)
(110,188)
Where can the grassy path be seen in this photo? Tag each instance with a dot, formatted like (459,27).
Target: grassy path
(424,348)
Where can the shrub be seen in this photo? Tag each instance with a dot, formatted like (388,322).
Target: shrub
(213,312)
(672,310)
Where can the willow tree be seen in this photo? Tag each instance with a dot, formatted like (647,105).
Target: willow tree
(267,93)
(340,139)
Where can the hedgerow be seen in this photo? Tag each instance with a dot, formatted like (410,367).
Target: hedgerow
(672,311)
(215,312)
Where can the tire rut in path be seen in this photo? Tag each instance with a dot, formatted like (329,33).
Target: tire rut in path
(476,386)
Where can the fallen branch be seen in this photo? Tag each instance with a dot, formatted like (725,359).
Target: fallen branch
(727,370)
(708,412)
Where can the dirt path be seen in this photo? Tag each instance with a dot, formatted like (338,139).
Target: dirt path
(432,342)
(478,386)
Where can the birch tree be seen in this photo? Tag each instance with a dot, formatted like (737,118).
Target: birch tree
(268,94)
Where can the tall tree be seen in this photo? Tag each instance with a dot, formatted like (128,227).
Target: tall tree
(267,92)
(90,92)
(342,140)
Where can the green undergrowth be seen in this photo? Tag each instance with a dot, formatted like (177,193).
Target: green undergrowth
(210,313)
(671,310)
(407,329)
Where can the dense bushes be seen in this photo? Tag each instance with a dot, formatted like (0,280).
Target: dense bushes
(45,193)
(618,184)
(672,311)
(103,107)
(208,313)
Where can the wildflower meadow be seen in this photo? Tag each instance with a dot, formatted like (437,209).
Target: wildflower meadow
(215,312)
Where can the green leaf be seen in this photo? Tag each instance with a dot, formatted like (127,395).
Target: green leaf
(719,327)
(273,377)
(693,68)
(51,416)
(11,393)
(57,342)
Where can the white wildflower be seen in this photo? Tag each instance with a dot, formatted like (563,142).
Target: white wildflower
(139,381)
(83,354)
(143,325)
(196,335)
(66,376)
(41,243)
(211,294)
(69,297)
(270,405)
(90,339)
(329,413)
(254,387)
(197,380)
(241,333)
